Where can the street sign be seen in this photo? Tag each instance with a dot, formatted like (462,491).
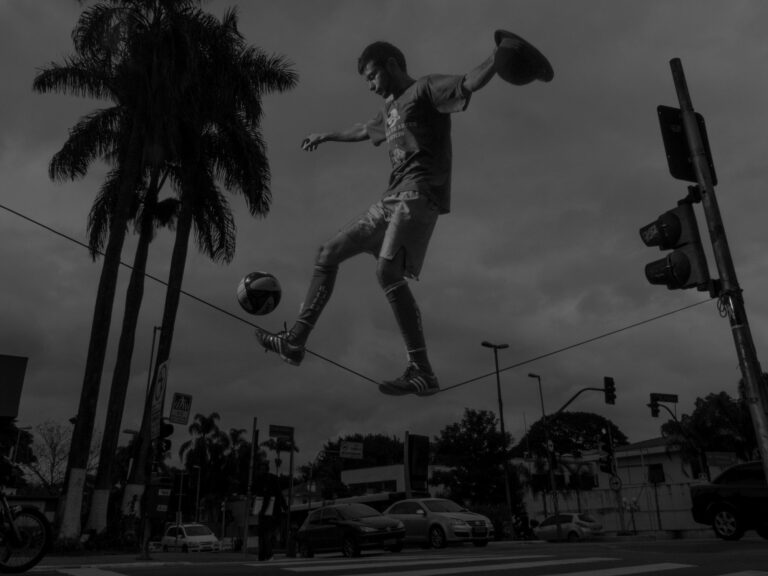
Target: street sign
(664,397)
(180,407)
(351,450)
(281,432)
(158,397)
(615,483)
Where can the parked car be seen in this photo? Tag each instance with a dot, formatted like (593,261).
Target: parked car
(349,528)
(436,522)
(190,538)
(734,502)
(574,526)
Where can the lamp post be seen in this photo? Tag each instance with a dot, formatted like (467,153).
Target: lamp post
(197,495)
(507,494)
(550,458)
(18,440)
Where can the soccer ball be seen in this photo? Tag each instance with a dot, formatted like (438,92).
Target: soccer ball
(259,293)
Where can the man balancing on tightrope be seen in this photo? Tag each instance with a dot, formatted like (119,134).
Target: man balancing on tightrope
(415,122)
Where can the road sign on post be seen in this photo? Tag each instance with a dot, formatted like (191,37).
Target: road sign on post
(180,407)
(158,398)
(351,450)
(281,432)
(664,397)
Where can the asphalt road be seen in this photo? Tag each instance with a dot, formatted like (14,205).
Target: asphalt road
(701,557)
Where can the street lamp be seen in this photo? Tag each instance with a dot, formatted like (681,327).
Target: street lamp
(496,348)
(550,457)
(18,440)
(197,496)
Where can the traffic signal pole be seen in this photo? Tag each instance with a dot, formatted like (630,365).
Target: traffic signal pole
(730,295)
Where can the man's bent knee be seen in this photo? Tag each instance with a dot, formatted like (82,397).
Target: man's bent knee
(389,273)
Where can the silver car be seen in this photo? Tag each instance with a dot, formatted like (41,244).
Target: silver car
(573,527)
(436,522)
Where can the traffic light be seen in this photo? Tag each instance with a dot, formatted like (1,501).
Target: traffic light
(606,441)
(609,388)
(606,464)
(686,265)
(654,406)
(163,440)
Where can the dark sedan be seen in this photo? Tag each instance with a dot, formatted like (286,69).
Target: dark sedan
(348,528)
(734,502)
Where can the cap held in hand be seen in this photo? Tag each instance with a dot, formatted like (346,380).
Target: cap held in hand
(519,62)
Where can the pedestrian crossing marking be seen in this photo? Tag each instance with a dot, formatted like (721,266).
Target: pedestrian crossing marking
(748,573)
(88,572)
(487,567)
(628,570)
(399,562)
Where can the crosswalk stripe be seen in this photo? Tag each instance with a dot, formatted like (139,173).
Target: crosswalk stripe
(748,573)
(626,570)
(491,567)
(349,565)
(88,572)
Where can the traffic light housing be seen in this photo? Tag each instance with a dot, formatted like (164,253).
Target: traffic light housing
(609,389)
(163,440)
(686,265)
(654,406)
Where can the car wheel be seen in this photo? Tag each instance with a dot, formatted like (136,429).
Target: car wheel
(305,551)
(437,537)
(350,547)
(727,524)
(573,537)
(185,548)
(397,547)
(165,548)
(481,543)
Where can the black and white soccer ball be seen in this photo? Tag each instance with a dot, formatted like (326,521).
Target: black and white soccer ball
(259,293)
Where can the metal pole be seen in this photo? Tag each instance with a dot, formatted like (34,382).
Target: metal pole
(289,533)
(246,515)
(731,298)
(507,492)
(197,496)
(550,460)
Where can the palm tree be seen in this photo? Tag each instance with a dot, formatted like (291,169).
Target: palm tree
(149,215)
(278,446)
(120,55)
(219,141)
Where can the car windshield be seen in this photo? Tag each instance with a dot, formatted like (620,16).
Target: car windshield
(443,506)
(197,530)
(355,511)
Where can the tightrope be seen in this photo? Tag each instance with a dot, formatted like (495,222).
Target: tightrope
(347,368)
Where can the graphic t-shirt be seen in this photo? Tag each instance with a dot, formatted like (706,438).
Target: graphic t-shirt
(417,129)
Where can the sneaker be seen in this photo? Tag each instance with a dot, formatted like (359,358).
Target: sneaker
(280,343)
(413,381)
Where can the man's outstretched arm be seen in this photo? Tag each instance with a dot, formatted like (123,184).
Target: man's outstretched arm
(356,133)
(480,75)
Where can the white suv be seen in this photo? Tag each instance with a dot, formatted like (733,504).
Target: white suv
(190,538)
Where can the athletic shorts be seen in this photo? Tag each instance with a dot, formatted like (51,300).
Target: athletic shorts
(400,221)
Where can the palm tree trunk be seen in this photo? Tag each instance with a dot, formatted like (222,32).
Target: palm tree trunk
(70,522)
(97,518)
(173,293)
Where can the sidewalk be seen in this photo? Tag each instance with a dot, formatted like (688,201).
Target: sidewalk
(155,559)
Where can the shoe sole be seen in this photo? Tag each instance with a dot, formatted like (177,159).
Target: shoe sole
(384,389)
(286,359)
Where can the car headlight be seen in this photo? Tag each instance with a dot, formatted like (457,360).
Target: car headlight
(367,529)
(456,523)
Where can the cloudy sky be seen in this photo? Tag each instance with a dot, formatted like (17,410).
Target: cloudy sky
(541,250)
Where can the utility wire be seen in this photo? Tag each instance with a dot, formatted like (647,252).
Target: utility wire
(346,368)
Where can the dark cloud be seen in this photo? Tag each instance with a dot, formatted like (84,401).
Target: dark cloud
(551,183)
